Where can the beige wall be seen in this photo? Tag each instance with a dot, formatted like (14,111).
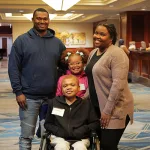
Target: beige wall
(20,28)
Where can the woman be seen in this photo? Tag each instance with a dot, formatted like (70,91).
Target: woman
(107,72)
(121,45)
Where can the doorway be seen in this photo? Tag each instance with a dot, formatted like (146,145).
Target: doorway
(4,46)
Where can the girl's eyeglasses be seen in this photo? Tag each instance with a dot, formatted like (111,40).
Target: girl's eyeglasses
(75,64)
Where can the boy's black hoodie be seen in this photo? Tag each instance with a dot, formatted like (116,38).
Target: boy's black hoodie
(78,121)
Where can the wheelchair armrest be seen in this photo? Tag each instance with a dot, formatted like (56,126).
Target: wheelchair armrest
(93,134)
(94,137)
(44,140)
(46,134)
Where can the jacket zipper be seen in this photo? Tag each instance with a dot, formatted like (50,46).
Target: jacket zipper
(69,122)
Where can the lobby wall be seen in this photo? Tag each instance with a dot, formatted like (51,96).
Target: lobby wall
(87,28)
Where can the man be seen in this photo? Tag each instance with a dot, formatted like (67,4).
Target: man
(33,64)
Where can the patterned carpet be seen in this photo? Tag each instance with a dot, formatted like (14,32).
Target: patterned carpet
(135,137)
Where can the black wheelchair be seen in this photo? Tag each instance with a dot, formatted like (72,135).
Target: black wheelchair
(46,145)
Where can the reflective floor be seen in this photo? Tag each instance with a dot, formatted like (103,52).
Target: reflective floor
(136,136)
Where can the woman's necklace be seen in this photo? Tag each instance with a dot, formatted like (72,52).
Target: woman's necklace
(100,52)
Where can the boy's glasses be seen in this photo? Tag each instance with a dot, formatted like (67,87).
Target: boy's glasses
(75,64)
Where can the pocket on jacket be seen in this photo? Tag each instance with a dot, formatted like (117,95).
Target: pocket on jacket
(118,113)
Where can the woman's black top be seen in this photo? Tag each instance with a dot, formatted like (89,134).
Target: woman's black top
(88,71)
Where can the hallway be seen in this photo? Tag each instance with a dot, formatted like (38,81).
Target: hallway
(136,137)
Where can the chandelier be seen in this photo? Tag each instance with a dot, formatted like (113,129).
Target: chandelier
(61,4)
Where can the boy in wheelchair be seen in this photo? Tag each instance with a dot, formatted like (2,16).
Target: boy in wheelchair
(70,118)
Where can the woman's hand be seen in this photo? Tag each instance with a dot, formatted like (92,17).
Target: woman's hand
(105,120)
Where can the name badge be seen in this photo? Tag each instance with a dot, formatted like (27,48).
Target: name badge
(82,87)
(58,111)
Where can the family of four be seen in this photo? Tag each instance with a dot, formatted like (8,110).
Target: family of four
(93,95)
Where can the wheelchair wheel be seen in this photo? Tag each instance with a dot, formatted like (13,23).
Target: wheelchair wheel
(43,145)
(95,144)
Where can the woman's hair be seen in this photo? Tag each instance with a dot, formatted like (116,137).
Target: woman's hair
(121,42)
(112,31)
(84,53)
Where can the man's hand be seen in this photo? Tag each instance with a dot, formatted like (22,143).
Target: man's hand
(105,120)
(21,100)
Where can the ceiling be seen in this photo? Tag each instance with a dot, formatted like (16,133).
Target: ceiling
(83,11)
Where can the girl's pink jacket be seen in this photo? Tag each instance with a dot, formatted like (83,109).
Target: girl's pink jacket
(83,81)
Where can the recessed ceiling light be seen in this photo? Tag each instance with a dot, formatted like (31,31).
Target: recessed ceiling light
(61,4)
(21,11)
(111,5)
(8,14)
(52,16)
(143,9)
(67,15)
(72,11)
(28,16)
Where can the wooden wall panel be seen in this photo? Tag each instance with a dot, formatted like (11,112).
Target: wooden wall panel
(140,63)
(89,49)
(136,27)
(145,68)
(148,27)
(123,28)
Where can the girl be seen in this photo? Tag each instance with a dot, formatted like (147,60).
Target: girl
(75,62)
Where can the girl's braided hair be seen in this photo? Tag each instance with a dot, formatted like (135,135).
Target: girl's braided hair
(84,53)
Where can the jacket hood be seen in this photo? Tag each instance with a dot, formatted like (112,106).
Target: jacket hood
(61,99)
(33,33)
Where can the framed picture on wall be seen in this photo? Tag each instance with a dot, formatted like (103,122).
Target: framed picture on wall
(72,38)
